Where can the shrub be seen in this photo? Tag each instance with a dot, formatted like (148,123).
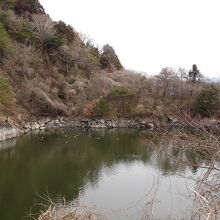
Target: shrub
(30,6)
(53,43)
(7,4)
(26,34)
(66,56)
(101,107)
(44,33)
(10,21)
(121,92)
(17,27)
(122,101)
(4,17)
(93,51)
(65,31)
(87,63)
(97,107)
(89,108)
(25,61)
(5,42)
(5,92)
(100,85)
(139,109)
(62,91)
(207,102)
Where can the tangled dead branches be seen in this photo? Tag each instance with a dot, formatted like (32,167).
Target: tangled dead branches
(200,140)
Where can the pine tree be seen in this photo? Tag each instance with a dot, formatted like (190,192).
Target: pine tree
(207,102)
(194,74)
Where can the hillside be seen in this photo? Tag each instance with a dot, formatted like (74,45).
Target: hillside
(46,69)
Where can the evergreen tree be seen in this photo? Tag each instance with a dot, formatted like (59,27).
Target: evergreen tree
(207,102)
(194,74)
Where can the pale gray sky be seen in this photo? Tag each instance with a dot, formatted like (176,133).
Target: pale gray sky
(149,34)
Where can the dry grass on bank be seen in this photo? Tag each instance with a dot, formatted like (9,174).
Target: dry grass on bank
(71,212)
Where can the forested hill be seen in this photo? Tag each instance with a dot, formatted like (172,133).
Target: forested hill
(48,69)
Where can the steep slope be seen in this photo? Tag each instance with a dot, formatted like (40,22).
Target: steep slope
(45,63)
(46,69)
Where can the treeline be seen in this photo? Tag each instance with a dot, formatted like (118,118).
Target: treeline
(127,94)
(48,69)
(191,90)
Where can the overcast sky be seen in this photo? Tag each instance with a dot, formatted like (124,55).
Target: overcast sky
(149,34)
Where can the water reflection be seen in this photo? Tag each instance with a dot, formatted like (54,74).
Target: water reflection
(4,145)
(98,166)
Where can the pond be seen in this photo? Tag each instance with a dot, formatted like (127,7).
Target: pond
(110,169)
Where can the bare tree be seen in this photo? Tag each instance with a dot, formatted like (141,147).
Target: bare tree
(183,75)
(166,75)
(44,30)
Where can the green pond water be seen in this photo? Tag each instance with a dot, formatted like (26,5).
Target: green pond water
(110,169)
